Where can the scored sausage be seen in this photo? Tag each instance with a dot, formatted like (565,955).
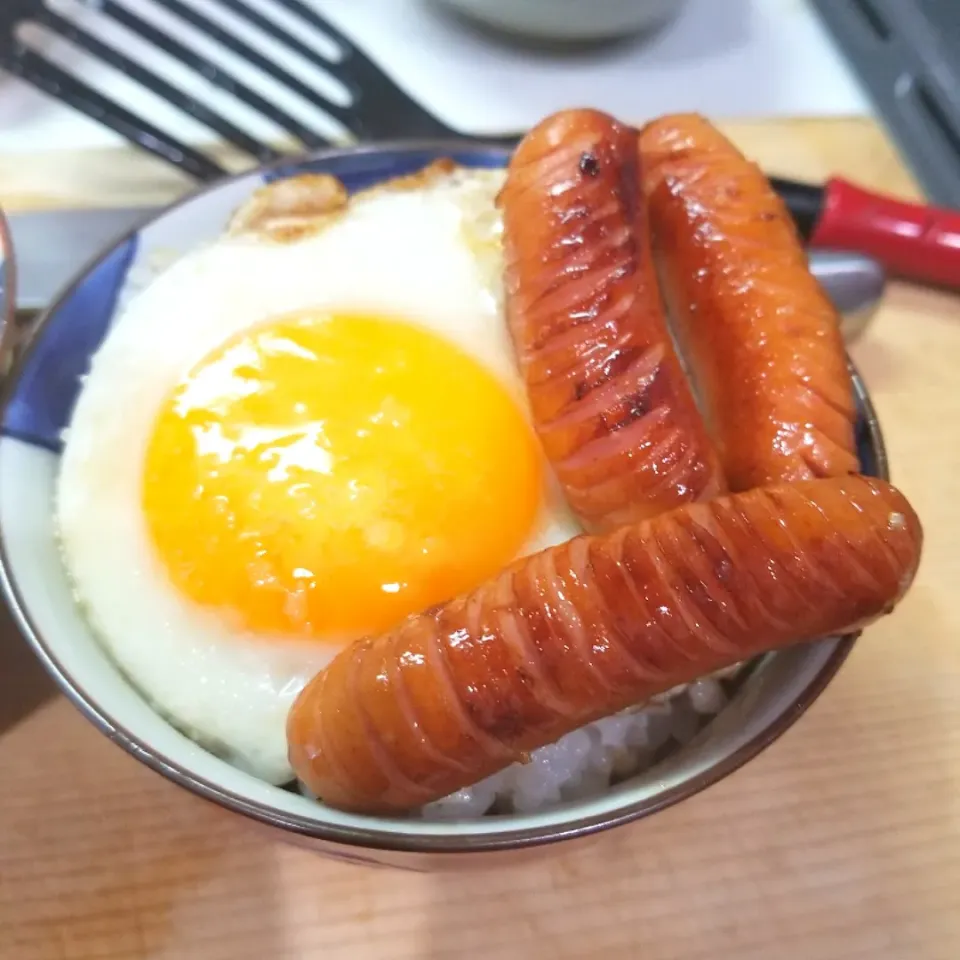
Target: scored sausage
(588,628)
(760,337)
(610,403)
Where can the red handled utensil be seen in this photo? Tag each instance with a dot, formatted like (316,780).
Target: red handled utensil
(910,239)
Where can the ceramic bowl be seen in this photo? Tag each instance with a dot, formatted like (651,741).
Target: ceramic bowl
(568,21)
(38,396)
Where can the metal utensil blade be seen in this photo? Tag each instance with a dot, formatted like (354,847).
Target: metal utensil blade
(51,246)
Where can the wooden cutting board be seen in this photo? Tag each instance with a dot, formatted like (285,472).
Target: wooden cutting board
(841,841)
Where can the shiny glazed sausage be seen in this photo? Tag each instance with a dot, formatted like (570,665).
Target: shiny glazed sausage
(609,399)
(760,337)
(593,626)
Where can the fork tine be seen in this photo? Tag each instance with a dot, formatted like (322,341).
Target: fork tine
(63,86)
(219,77)
(381,108)
(309,15)
(253,56)
(278,33)
(157,85)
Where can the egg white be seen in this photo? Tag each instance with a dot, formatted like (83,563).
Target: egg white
(430,255)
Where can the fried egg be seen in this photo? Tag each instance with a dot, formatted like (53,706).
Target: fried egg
(295,436)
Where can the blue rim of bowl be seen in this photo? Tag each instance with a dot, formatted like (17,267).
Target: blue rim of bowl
(373,839)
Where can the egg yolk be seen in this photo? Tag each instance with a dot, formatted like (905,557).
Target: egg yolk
(323,476)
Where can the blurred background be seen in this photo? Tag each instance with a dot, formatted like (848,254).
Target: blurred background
(479,65)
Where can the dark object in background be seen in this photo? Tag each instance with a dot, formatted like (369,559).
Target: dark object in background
(24,684)
(907,54)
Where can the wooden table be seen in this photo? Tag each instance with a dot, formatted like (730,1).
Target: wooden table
(842,841)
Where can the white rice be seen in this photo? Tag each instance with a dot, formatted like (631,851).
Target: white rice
(587,761)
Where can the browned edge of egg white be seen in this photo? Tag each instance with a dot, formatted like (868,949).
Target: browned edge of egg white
(290,209)
(378,844)
(293,208)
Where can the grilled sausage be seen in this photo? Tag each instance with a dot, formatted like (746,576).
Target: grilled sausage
(591,627)
(610,402)
(760,338)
